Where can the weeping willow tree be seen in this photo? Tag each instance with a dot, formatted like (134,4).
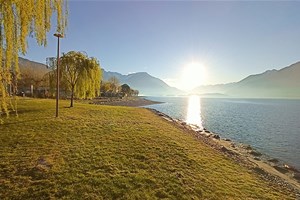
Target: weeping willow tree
(80,75)
(18,20)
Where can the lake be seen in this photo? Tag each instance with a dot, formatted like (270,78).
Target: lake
(272,126)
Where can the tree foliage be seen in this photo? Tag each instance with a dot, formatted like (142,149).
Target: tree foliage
(18,20)
(112,88)
(79,74)
(125,89)
(115,84)
(31,76)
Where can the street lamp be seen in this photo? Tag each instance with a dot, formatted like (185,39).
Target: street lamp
(58,35)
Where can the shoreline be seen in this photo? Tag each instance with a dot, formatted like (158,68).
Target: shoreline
(126,101)
(266,167)
(270,169)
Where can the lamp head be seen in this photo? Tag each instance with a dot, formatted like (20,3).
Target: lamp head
(58,35)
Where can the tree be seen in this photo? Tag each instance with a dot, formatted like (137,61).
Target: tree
(105,88)
(111,87)
(125,89)
(115,83)
(136,93)
(31,76)
(18,20)
(81,74)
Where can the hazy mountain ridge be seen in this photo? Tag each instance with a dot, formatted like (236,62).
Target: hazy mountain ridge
(142,81)
(283,83)
(25,64)
(108,74)
(145,83)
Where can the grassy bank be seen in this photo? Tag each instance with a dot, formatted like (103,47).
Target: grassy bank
(104,152)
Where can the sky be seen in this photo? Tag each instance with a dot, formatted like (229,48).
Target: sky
(185,43)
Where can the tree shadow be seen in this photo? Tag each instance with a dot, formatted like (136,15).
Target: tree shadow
(26,121)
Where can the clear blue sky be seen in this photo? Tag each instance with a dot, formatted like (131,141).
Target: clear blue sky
(231,39)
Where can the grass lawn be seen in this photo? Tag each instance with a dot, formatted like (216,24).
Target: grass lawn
(104,152)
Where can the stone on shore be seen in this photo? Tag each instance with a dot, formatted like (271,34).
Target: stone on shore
(255,153)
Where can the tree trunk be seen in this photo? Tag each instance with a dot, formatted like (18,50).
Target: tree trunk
(72,97)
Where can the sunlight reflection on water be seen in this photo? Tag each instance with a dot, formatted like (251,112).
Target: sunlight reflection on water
(194,111)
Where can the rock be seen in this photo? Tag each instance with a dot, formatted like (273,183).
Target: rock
(273,160)
(216,137)
(206,131)
(297,176)
(224,149)
(208,135)
(226,139)
(228,151)
(290,168)
(281,169)
(248,147)
(255,153)
(256,158)
(259,171)
(183,123)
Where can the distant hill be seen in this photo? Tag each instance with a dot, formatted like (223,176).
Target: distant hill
(107,74)
(214,89)
(283,83)
(30,66)
(142,81)
(145,83)
(32,74)
(25,62)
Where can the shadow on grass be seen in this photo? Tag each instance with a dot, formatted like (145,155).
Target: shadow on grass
(25,111)
(13,113)
(25,121)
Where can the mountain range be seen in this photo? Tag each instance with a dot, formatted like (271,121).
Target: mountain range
(283,83)
(142,81)
(26,64)
(145,83)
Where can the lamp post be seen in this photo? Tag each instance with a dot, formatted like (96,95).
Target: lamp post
(58,35)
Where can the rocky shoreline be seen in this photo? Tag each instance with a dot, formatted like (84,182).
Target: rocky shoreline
(270,169)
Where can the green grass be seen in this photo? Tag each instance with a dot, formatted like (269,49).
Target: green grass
(103,152)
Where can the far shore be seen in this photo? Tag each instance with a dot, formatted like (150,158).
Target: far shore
(125,101)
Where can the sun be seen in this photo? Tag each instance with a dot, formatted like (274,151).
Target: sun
(192,75)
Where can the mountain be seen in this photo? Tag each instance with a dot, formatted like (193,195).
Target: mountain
(142,81)
(283,83)
(205,90)
(28,66)
(145,83)
(107,74)
(26,62)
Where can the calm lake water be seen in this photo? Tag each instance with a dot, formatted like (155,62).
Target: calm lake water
(271,126)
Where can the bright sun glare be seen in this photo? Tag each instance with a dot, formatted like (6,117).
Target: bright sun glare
(193,75)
